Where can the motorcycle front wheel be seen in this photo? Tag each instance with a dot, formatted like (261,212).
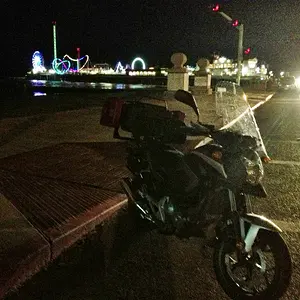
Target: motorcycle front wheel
(262,274)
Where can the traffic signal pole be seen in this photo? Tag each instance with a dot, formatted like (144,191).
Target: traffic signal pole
(240,53)
(240,28)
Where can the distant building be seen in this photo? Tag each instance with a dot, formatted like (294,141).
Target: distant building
(223,67)
(101,67)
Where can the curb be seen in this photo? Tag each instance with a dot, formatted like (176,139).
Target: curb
(32,251)
(86,223)
(48,249)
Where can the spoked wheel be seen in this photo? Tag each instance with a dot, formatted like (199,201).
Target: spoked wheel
(262,274)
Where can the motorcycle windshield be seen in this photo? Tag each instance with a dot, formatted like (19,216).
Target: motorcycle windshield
(236,114)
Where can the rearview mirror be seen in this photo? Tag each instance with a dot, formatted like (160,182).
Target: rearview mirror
(188,99)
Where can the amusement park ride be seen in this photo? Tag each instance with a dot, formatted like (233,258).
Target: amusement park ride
(83,65)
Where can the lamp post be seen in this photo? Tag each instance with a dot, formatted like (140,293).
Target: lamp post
(240,28)
(240,53)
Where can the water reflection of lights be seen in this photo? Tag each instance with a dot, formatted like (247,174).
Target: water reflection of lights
(39,94)
(36,82)
(120,86)
(104,85)
(86,85)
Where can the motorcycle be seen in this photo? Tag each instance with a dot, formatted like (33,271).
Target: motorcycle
(206,192)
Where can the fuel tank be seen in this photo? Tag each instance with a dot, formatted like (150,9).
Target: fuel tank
(170,166)
(206,161)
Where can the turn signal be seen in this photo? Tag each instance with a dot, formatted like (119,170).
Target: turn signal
(217,155)
(266,159)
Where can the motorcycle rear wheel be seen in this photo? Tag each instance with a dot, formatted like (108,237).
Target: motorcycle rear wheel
(250,279)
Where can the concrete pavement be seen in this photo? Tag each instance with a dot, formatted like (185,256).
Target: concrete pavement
(59,179)
(53,196)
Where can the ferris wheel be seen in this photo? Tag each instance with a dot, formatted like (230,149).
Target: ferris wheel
(38,62)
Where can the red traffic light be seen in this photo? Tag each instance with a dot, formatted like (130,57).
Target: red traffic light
(216,7)
(235,23)
(247,51)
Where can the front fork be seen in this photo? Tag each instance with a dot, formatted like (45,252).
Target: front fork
(246,224)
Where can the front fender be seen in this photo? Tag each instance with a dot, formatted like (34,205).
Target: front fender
(261,221)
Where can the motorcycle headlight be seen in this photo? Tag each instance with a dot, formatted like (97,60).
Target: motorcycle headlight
(254,169)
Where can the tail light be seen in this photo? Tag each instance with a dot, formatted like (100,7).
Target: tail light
(111,112)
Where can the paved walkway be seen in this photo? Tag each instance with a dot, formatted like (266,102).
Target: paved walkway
(59,178)
(51,198)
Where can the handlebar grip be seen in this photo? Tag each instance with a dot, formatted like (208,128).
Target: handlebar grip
(209,126)
(198,129)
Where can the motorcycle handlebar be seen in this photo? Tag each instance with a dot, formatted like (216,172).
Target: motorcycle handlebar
(196,129)
(199,129)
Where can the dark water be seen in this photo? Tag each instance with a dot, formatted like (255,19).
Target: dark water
(87,85)
(21,97)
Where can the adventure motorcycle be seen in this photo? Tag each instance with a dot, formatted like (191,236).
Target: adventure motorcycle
(207,191)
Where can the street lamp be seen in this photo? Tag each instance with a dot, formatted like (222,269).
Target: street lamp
(240,27)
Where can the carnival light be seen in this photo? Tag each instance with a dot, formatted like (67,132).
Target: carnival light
(108,72)
(76,60)
(140,60)
(38,62)
(54,40)
(119,68)
(61,66)
(142,73)
(222,59)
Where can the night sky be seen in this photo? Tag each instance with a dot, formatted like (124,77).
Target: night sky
(111,30)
